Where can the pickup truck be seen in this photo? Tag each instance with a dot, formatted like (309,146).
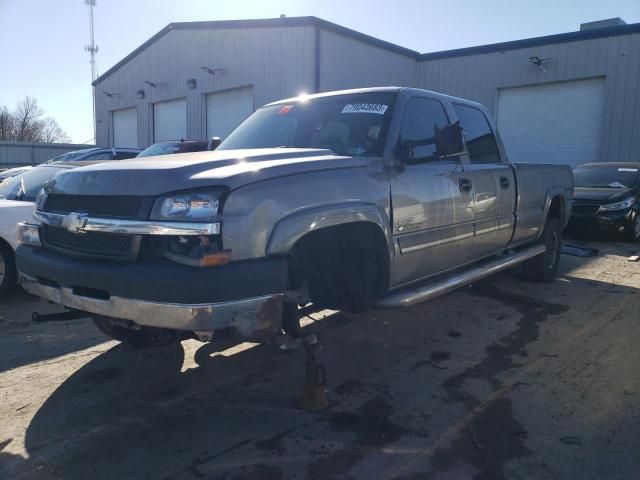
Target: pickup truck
(343,200)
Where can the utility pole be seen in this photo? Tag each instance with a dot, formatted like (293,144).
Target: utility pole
(92,48)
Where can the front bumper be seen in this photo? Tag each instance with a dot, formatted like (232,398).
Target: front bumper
(613,221)
(244,295)
(252,317)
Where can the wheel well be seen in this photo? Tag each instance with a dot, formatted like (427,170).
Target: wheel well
(556,208)
(6,245)
(323,253)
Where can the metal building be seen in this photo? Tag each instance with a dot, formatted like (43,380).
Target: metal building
(567,98)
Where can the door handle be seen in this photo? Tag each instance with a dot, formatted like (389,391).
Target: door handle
(504,183)
(465,184)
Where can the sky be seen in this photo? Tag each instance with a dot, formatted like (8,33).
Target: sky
(42,41)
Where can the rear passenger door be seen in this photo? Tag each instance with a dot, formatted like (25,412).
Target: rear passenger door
(493,183)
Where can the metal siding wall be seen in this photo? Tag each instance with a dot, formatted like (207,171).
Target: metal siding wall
(479,77)
(28,153)
(278,62)
(349,63)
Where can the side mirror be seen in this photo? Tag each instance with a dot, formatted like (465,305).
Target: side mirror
(449,140)
(213,143)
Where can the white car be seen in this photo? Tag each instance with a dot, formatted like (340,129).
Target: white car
(17,197)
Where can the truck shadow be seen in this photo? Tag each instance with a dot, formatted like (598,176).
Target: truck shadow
(215,412)
(23,342)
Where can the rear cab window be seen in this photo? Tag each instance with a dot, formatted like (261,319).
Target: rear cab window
(478,135)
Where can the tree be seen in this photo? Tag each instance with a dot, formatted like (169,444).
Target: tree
(27,120)
(52,132)
(7,126)
(25,124)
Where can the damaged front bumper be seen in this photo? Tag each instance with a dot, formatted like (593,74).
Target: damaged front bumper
(252,317)
(246,295)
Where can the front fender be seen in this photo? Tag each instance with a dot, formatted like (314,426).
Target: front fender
(292,228)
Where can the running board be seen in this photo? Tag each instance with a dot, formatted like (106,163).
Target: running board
(429,289)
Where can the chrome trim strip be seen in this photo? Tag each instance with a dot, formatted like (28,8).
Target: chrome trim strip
(435,243)
(251,316)
(132,227)
(417,293)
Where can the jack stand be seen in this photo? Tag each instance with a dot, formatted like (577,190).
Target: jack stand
(313,397)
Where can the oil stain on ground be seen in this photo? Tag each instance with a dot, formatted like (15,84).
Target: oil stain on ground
(495,437)
(373,429)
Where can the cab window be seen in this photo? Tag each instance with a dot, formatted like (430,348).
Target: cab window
(481,143)
(422,116)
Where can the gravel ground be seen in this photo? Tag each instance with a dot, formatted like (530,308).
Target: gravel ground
(504,379)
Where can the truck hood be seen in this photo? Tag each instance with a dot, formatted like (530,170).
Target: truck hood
(170,173)
(6,205)
(604,195)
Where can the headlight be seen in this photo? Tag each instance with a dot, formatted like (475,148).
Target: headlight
(187,207)
(29,234)
(40,199)
(618,206)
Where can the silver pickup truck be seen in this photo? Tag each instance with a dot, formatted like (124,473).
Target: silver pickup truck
(344,200)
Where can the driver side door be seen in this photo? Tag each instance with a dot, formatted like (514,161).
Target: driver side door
(432,202)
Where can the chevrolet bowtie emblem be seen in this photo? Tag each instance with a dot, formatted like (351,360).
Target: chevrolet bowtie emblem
(74,222)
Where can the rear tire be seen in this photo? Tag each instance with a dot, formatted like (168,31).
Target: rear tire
(8,274)
(544,267)
(146,337)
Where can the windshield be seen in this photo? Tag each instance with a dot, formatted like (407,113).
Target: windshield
(346,124)
(26,186)
(605,177)
(167,148)
(160,149)
(69,156)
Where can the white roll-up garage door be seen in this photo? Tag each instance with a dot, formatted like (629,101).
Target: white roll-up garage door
(125,127)
(170,120)
(227,109)
(554,123)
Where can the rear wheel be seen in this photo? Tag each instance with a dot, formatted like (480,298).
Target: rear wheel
(7,268)
(145,337)
(544,267)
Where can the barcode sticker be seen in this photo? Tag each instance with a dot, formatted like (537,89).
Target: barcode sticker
(376,108)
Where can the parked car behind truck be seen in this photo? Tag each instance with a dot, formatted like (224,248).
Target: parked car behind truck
(17,197)
(349,199)
(607,198)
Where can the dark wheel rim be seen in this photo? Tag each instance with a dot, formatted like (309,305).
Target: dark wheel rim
(636,228)
(553,247)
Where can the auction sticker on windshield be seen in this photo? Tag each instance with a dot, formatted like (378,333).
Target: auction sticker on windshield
(376,108)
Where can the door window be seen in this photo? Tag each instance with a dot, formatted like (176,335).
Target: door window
(421,119)
(478,135)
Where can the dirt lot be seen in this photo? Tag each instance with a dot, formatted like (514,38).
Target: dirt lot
(505,379)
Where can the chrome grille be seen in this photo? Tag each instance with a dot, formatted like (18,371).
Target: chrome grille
(105,206)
